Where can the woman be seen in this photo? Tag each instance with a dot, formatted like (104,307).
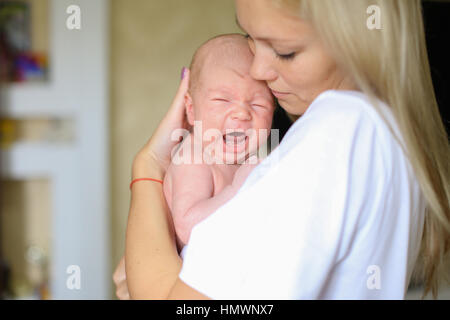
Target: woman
(359,194)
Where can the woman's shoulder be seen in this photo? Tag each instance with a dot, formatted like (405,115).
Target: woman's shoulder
(356,103)
(345,115)
(345,106)
(343,130)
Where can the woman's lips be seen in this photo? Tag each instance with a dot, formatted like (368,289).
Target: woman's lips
(279,94)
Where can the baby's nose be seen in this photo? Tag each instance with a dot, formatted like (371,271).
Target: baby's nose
(240,113)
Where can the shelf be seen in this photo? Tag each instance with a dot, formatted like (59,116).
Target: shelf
(77,171)
(32,160)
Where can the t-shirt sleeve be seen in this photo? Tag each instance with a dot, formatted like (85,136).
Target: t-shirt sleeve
(282,234)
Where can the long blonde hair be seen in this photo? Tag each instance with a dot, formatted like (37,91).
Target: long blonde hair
(392,64)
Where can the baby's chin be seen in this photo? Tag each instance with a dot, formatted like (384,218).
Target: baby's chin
(234,159)
(238,158)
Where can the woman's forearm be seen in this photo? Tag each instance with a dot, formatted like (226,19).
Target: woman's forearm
(151,258)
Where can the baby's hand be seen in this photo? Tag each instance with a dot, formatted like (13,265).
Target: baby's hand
(244,170)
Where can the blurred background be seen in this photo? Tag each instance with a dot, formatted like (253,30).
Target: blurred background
(83,84)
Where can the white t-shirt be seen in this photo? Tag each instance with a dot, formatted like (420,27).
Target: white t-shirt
(334,212)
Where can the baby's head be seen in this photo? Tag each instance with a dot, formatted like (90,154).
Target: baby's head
(223,96)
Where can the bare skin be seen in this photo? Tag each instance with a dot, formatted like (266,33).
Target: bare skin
(194,191)
(229,101)
(150,234)
(288,55)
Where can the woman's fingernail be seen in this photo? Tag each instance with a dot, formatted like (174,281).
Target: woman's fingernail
(183,71)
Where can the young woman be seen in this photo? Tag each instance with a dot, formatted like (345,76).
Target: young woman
(353,200)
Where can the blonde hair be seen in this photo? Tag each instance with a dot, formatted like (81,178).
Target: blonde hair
(392,65)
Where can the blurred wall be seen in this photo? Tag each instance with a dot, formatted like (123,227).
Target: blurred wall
(151,40)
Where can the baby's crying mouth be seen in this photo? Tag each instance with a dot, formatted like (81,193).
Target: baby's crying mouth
(234,138)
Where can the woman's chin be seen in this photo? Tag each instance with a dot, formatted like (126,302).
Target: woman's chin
(294,108)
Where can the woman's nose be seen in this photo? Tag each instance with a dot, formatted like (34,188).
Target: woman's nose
(262,68)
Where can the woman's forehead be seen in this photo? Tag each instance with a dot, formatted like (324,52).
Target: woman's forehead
(262,20)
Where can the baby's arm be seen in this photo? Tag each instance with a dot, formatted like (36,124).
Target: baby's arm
(192,194)
(191,184)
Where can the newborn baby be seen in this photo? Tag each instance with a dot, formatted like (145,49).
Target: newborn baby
(223,97)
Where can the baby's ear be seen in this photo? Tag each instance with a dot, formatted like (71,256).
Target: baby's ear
(189,108)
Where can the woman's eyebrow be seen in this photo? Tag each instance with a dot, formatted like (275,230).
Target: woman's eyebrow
(240,27)
(257,38)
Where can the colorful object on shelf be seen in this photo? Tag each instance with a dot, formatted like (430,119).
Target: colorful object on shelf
(8,132)
(37,260)
(18,62)
(29,67)
(15,26)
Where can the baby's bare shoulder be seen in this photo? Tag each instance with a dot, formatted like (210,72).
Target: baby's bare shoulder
(188,175)
(189,168)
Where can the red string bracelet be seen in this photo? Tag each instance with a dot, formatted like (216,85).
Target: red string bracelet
(146,179)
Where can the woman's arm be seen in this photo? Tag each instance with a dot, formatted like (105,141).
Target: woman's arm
(151,259)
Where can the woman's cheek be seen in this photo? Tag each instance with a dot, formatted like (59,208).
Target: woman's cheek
(310,71)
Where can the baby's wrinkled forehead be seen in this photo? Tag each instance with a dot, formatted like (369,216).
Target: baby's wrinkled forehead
(228,51)
(228,54)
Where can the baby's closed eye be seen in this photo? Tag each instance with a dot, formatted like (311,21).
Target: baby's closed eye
(220,100)
(262,104)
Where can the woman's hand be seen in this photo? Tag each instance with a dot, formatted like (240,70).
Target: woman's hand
(156,154)
(120,280)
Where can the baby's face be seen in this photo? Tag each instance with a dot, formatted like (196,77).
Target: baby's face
(229,100)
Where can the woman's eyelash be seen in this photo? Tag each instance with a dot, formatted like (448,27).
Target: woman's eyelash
(285,56)
(279,56)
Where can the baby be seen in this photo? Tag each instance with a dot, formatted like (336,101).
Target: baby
(225,100)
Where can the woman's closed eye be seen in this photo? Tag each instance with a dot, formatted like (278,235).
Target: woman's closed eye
(289,56)
(280,56)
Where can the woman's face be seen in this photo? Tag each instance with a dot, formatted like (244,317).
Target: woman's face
(288,55)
